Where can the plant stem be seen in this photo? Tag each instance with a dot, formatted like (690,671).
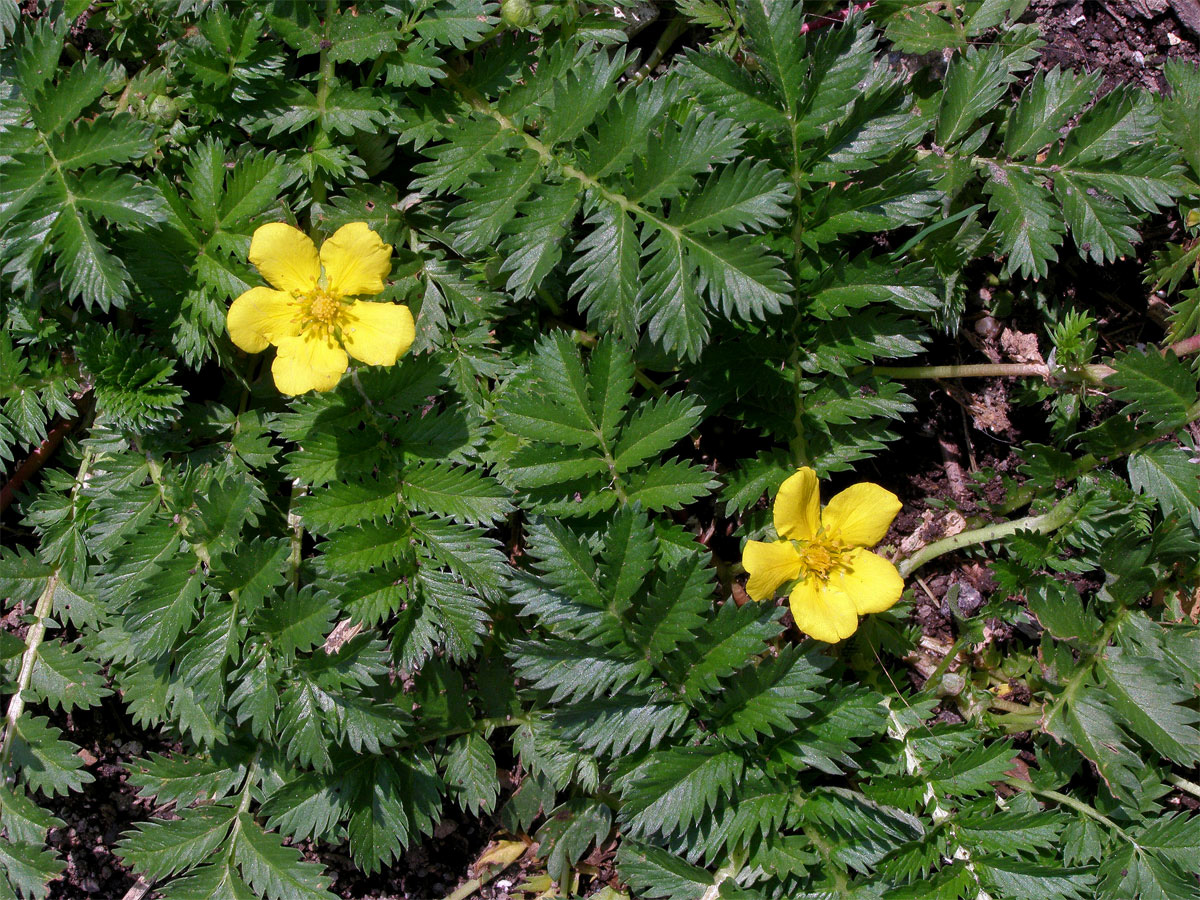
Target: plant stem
(674,29)
(1065,800)
(37,631)
(1090,461)
(33,640)
(723,874)
(324,78)
(1184,785)
(1043,524)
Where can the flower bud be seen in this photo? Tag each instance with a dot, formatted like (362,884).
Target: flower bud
(516,13)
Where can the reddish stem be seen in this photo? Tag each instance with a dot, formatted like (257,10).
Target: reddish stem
(1191,345)
(826,21)
(39,457)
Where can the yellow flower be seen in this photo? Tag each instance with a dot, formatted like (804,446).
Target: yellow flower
(839,580)
(310,318)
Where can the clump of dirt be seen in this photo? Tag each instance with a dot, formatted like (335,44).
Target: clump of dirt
(1127,40)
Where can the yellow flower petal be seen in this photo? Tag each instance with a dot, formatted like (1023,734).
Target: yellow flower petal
(871,582)
(822,611)
(377,333)
(860,515)
(769,565)
(798,506)
(286,257)
(308,363)
(356,261)
(260,317)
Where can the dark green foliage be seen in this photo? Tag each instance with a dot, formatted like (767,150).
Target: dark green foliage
(503,574)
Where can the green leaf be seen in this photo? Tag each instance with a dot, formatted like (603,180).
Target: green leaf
(768,698)
(101,141)
(29,868)
(471,773)
(1024,881)
(654,873)
(490,204)
(1153,704)
(730,641)
(748,195)
(1102,228)
(672,789)
(975,82)
(1169,474)
(1157,388)
(608,265)
(461,493)
(42,761)
(159,848)
(1050,99)
(219,881)
(532,246)
(89,271)
(1029,230)
(273,870)
(360,36)
(669,296)
(569,831)
(65,678)
(671,485)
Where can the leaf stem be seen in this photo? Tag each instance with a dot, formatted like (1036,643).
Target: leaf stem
(1043,524)
(1066,800)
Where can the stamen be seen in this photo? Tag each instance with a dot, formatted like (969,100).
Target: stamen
(819,558)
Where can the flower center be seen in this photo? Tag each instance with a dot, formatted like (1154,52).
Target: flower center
(323,308)
(819,557)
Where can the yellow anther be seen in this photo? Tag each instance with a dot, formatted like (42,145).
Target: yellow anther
(323,308)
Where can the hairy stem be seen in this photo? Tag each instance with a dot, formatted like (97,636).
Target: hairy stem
(1065,800)
(1043,524)
(325,77)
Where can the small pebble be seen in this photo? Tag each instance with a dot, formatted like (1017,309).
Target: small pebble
(987,327)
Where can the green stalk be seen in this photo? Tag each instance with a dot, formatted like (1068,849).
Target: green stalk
(324,78)
(677,26)
(1043,524)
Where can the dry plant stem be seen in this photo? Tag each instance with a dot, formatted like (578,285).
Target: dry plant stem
(33,640)
(1043,524)
(35,635)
